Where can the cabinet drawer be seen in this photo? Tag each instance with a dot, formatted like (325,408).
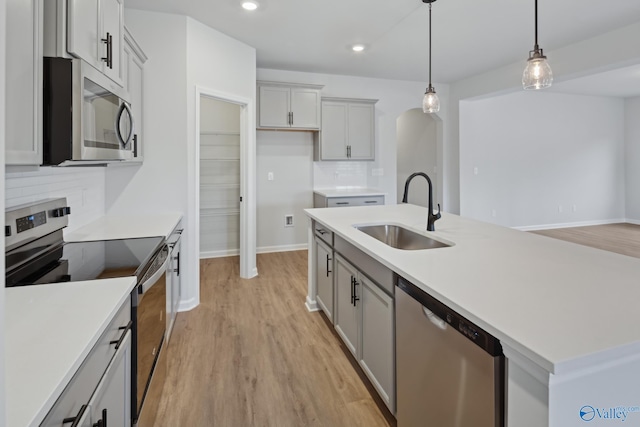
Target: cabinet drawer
(323,233)
(354,201)
(84,382)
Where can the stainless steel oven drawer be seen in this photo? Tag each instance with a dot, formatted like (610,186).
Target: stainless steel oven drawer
(79,390)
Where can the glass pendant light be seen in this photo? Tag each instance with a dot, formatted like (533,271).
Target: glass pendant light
(537,74)
(430,102)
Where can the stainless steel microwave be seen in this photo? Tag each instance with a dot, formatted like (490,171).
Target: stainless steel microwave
(86,117)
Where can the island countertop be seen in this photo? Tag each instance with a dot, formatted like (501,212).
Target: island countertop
(561,305)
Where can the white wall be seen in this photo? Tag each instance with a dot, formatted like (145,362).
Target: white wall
(537,151)
(289,156)
(395,97)
(226,68)
(182,54)
(615,49)
(632,158)
(417,152)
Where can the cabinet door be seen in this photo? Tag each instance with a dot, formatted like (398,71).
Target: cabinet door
(274,107)
(334,133)
(112,398)
(133,80)
(324,278)
(378,347)
(23,119)
(83,38)
(305,108)
(113,24)
(361,134)
(346,311)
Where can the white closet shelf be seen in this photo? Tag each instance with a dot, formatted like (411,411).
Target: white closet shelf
(206,212)
(216,132)
(219,185)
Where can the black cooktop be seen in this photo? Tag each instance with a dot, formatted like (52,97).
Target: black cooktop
(55,261)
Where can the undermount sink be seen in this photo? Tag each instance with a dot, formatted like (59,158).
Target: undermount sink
(401,238)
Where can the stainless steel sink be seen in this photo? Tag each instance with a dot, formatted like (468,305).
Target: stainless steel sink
(401,238)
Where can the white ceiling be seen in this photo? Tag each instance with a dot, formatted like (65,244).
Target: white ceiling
(469,36)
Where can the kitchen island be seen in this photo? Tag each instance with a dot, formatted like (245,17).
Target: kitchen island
(567,315)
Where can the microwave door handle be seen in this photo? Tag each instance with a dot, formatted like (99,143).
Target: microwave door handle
(124,107)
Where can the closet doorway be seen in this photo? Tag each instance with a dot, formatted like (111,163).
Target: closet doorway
(220,179)
(224,194)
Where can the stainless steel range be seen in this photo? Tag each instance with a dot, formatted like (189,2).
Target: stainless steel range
(36,254)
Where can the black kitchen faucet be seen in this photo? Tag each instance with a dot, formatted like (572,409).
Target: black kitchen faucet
(431,217)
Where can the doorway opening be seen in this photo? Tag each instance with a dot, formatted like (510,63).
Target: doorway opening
(418,150)
(224,176)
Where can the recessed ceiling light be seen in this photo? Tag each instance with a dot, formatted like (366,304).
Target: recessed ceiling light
(249,5)
(357,47)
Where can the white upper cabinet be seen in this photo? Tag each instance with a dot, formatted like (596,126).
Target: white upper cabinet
(133,63)
(92,30)
(23,120)
(347,130)
(288,106)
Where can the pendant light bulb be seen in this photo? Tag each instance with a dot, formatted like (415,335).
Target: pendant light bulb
(537,74)
(430,102)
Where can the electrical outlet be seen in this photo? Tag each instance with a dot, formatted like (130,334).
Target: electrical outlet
(475,170)
(493,213)
(575,208)
(270,176)
(559,208)
(288,220)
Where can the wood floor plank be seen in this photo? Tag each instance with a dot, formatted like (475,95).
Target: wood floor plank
(252,355)
(622,238)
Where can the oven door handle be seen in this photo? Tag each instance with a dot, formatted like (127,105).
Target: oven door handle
(147,284)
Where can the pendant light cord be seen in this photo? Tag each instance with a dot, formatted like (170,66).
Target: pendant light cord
(536,25)
(430,44)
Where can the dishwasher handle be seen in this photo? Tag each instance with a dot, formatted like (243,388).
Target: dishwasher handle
(441,324)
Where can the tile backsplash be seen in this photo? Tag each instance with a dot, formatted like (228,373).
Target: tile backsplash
(339,174)
(84,188)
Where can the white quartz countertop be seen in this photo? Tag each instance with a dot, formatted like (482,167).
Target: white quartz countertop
(49,331)
(110,227)
(563,306)
(348,192)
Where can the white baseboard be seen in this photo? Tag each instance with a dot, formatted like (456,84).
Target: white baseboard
(570,224)
(311,305)
(633,221)
(219,254)
(283,248)
(187,305)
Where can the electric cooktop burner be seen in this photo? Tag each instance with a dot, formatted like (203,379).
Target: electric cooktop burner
(73,262)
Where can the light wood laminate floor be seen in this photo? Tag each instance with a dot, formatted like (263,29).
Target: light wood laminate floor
(621,238)
(252,355)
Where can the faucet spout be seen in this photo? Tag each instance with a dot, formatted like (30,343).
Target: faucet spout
(431,217)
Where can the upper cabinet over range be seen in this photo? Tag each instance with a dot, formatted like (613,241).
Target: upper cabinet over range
(92,30)
(288,106)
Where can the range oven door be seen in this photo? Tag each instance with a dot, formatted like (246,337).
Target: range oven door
(149,309)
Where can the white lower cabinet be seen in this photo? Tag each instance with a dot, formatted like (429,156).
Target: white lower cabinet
(324,277)
(112,398)
(101,388)
(364,320)
(377,355)
(347,322)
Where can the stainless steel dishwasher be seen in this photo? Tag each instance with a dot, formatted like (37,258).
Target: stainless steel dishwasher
(450,372)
